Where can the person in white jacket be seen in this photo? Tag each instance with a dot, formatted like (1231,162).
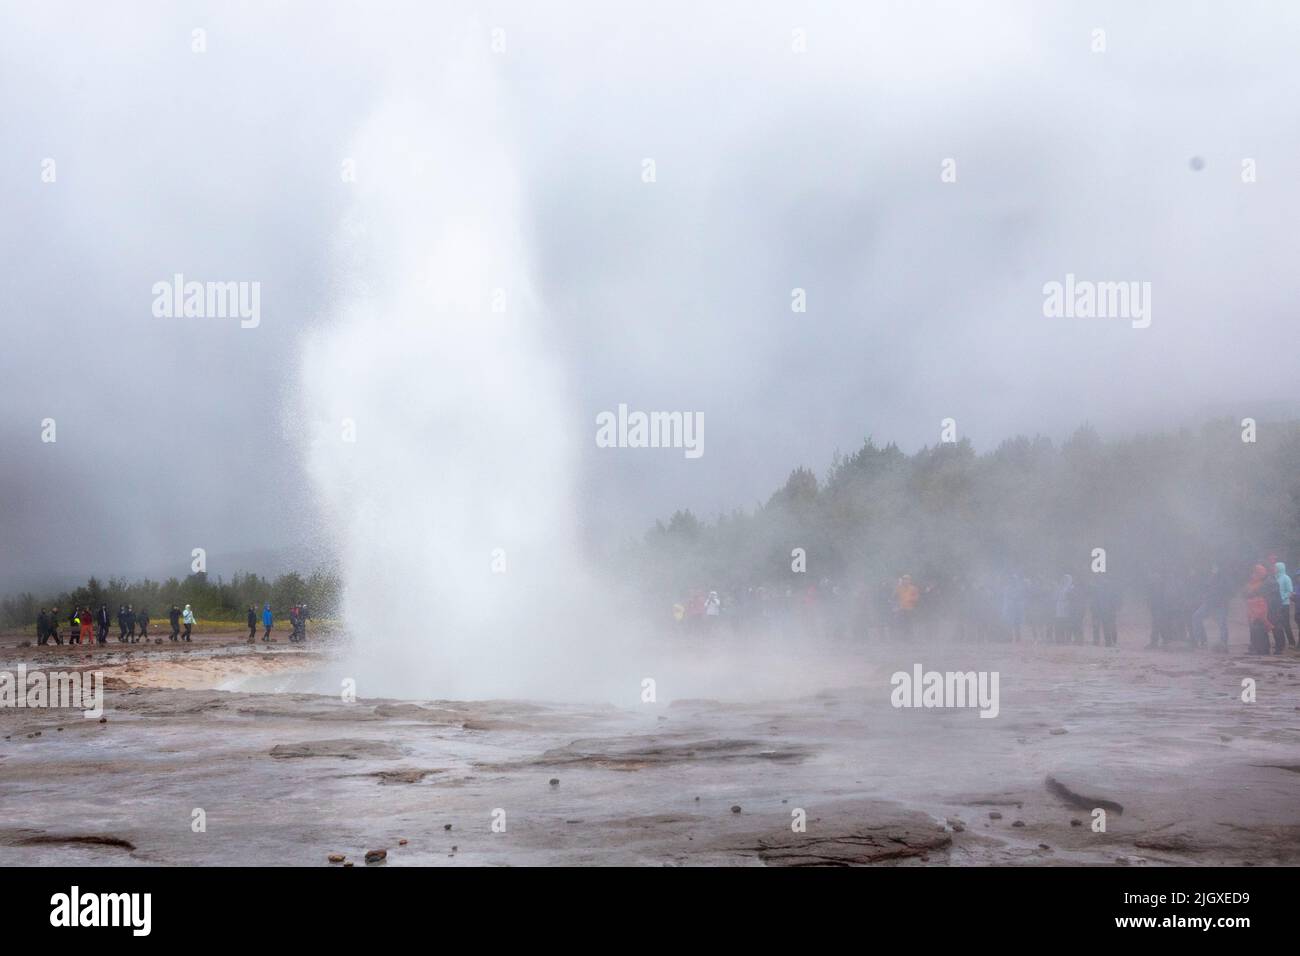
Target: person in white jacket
(712,609)
(188,617)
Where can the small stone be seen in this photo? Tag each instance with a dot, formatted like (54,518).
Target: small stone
(1018,823)
(336,858)
(1076,822)
(735,808)
(454,849)
(1043,846)
(994,815)
(348,863)
(401,842)
(376,856)
(103,720)
(957,825)
(555,781)
(446,826)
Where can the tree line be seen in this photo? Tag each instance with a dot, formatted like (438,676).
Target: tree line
(1152,503)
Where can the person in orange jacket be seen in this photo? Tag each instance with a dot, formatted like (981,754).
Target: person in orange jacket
(1257,611)
(906,596)
(87,622)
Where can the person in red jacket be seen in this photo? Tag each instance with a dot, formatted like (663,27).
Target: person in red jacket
(1257,610)
(87,622)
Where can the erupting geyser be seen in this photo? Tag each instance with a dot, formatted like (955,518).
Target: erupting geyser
(442,439)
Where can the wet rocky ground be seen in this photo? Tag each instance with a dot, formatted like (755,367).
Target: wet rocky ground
(220,733)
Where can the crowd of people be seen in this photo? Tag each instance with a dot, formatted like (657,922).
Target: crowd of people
(1182,606)
(89,626)
(297,623)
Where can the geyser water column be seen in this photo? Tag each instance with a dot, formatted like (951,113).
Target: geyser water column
(442,443)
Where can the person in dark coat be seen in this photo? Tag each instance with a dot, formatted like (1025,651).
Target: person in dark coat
(121,624)
(1064,608)
(1287,587)
(1164,594)
(1104,610)
(1273,594)
(130,623)
(1193,587)
(101,618)
(252,624)
(1175,613)
(174,618)
(53,631)
(142,621)
(42,627)
(1215,594)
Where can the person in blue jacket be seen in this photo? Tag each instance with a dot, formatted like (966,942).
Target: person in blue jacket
(266,622)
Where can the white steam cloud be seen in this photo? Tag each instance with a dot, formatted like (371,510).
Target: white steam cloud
(442,452)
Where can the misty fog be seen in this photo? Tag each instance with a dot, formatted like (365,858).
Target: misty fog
(774,171)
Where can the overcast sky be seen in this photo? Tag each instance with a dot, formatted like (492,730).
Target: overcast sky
(775,170)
